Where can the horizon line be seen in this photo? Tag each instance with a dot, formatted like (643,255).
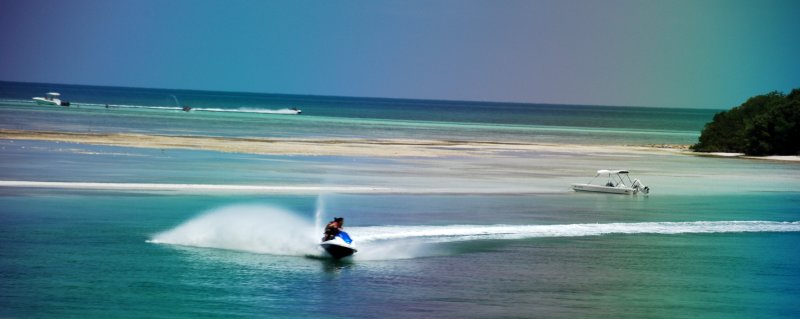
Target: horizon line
(370,97)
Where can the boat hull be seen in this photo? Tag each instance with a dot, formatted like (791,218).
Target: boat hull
(43,101)
(603,189)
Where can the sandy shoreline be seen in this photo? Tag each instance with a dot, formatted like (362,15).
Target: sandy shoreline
(346,147)
(314,147)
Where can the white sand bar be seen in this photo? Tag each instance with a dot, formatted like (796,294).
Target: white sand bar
(351,147)
(195,187)
(315,147)
(268,189)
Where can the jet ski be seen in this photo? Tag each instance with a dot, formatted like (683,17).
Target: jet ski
(340,246)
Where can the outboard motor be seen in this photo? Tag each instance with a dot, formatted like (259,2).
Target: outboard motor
(637,185)
(64,103)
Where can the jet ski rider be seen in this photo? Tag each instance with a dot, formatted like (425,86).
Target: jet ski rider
(333,228)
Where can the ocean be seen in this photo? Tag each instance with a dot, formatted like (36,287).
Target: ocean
(497,236)
(248,114)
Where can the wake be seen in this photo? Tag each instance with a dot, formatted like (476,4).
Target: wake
(176,108)
(252,228)
(194,109)
(276,231)
(479,232)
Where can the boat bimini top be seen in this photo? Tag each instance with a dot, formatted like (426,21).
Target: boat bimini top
(606,171)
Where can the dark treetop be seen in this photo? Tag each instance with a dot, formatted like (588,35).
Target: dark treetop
(767,124)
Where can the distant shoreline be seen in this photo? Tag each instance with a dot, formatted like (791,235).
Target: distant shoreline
(346,147)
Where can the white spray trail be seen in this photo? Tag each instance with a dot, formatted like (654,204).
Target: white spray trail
(318,214)
(452,233)
(272,230)
(177,104)
(253,228)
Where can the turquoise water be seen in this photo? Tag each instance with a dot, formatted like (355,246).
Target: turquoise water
(498,237)
(158,112)
(85,254)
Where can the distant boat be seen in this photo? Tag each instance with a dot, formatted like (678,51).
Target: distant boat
(615,184)
(296,110)
(51,98)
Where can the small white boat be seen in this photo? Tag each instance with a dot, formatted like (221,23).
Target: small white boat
(615,184)
(51,98)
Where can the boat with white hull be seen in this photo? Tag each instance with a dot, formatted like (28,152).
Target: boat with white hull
(615,184)
(51,98)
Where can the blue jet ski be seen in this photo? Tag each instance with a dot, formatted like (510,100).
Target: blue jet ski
(340,246)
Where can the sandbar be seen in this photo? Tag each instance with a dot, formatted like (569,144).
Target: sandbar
(355,147)
(316,147)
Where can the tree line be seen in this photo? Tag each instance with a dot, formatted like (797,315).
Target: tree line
(767,124)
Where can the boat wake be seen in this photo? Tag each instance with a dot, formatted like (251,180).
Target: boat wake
(454,233)
(249,110)
(272,230)
(252,110)
(199,109)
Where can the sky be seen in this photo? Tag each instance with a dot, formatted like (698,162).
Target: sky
(675,53)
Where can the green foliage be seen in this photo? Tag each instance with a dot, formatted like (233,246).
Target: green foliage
(766,124)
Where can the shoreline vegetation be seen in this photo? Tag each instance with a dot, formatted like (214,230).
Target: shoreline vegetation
(767,124)
(349,147)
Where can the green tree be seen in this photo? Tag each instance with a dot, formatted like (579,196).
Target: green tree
(763,125)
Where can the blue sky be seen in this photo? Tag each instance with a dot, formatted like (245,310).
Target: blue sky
(704,53)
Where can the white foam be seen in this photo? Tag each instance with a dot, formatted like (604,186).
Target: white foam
(248,110)
(479,232)
(253,228)
(206,109)
(177,108)
(272,230)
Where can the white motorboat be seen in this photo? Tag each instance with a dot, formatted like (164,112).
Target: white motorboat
(340,246)
(51,98)
(615,184)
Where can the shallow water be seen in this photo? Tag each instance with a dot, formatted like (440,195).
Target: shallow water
(159,112)
(92,254)
(463,237)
